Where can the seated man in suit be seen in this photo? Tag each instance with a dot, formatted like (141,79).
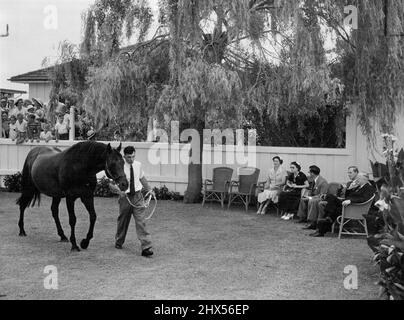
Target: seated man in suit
(308,204)
(318,212)
(363,193)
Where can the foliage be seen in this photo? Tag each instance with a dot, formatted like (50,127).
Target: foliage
(163,193)
(388,242)
(102,189)
(13,182)
(210,78)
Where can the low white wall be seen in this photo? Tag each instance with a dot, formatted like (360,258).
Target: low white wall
(333,162)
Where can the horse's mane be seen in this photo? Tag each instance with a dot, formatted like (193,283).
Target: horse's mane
(86,152)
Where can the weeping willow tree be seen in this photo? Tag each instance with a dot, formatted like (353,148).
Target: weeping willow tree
(206,62)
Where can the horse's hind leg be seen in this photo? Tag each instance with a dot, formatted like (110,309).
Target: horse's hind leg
(72,222)
(89,204)
(55,215)
(21,221)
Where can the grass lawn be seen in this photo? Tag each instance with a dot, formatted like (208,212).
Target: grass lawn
(200,253)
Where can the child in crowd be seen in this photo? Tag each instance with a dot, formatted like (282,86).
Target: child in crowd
(4,125)
(33,128)
(30,111)
(21,129)
(62,128)
(12,133)
(46,134)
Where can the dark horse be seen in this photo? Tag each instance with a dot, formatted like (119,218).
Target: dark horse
(70,174)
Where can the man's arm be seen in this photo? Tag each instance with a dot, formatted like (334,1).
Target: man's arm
(362,195)
(145,184)
(323,187)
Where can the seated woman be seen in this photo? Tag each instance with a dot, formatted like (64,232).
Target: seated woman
(289,199)
(273,186)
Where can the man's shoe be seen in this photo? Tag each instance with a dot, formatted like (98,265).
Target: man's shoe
(310,227)
(317,234)
(147,253)
(118,246)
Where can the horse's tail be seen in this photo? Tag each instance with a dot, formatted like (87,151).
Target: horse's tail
(30,193)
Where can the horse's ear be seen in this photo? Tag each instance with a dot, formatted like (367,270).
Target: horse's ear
(119,148)
(109,148)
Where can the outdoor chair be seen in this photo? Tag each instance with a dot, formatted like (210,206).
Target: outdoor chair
(333,188)
(244,189)
(353,212)
(218,188)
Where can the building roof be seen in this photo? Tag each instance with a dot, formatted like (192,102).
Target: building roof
(11,91)
(40,75)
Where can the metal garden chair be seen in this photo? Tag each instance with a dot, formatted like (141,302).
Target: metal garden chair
(217,188)
(244,189)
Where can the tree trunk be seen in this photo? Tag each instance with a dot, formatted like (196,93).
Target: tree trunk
(194,188)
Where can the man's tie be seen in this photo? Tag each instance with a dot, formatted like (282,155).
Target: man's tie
(132,181)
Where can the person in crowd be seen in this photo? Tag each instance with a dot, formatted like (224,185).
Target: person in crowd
(3,105)
(5,125)
(21,129)
(37,104)
(30,111)
(362,193)
(33,128)
(40,115)
(117,135)
(309,203)
(78,125)
(19,108)
(27,102)
(290,198)
(46,134)
(274,184)
(13,132)
(62,128)
(10,104)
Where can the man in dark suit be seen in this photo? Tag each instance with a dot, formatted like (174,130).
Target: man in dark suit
(363,193)
(308,203)
(318,212)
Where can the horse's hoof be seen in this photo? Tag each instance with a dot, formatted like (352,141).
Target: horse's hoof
(84,244)
(64,239)
(75,249)
(22,234)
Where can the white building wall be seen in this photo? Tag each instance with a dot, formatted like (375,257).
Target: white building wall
(40,91)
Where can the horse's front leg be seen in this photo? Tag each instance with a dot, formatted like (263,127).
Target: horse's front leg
(72,221)
(88,202)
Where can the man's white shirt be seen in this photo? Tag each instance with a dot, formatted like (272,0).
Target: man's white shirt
(137,173)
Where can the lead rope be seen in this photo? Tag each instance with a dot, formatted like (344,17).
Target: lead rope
(149,196)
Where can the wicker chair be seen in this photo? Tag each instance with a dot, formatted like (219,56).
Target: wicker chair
(353,212)
(218,188)
(245,186)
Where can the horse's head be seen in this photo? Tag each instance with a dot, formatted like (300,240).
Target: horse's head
(114,167)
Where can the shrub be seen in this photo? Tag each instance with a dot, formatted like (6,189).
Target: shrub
(102,189)
(13,182)
(388,241)
(164,194)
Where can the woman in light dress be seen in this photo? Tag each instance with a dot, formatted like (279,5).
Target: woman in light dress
(273,186)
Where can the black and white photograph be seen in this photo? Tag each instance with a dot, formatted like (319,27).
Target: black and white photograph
(191,151)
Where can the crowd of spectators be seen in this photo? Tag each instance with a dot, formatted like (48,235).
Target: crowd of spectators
(31,120)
